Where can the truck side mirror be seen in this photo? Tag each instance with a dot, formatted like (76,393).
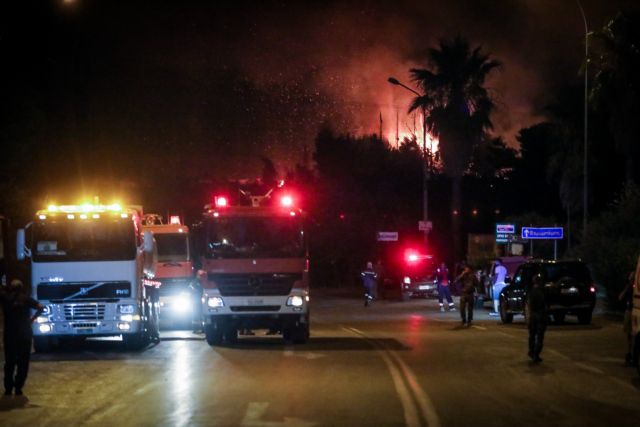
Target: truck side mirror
(21,252)
(150,254)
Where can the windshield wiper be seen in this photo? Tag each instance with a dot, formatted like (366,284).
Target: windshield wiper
(84,291)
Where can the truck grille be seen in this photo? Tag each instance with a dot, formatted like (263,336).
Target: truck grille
(251,308)
(231,285)
(84,325)
(84,311)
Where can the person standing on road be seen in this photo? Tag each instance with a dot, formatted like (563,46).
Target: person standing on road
(442,277)
(17,306)
(499,276)
(537,317)
(627,297)
(468,283)
(369,282)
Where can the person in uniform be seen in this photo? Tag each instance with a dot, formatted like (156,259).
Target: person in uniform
(369,282)
(17,306)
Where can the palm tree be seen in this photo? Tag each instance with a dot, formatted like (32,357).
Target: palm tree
(616,88)
(457,106)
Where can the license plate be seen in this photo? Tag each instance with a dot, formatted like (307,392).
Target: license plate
(425,287)
(255,301)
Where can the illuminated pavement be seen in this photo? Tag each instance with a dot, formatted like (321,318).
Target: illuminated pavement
(392,364)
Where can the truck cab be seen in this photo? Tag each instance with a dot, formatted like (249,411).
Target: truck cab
(179,292)
(255,268)
(89,264)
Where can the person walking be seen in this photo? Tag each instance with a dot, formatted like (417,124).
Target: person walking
(468,283)
(442,278)
(499,276)
(369,282)
(537,318)
(17,306)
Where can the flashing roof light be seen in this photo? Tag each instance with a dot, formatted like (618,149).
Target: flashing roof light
(292,213)
(84,208)
(221,202)
(52,208)
(412,257)
(174,220)
(286,201)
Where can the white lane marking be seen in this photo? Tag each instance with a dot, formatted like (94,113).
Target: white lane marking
(623,383)
(146,388)
(589,368)
(411,417)
(255,411)
(560,355)
(482,328)
(425,404)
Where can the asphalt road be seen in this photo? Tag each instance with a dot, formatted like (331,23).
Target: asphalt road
(392,364)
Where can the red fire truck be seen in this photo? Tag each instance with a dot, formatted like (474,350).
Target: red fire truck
(254,267)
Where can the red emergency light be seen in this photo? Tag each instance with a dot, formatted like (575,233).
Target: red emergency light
(174,220)
(286,201)
(221,202)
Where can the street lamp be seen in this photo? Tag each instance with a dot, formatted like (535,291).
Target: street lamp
(586,82)
(425,168)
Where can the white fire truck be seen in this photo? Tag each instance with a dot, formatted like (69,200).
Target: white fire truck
(179,292)
(254,268)
(89,264)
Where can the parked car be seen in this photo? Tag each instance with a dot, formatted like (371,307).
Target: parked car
(568,288)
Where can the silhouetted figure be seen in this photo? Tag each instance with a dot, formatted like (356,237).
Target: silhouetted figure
(17,306)
(537,317)
(627,297)
(369,282)
(468,283)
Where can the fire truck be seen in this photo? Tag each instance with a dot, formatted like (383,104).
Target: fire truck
(179,293)
(254,267)
(89,264)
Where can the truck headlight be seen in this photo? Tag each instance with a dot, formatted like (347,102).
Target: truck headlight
(406,280)
(42,319)
(129,317)
(182,303)
(127,309)
(295,301)
(215,302)
(44,328)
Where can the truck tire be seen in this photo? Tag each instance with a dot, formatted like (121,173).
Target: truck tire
(559,317)
(135,342)
(42,344)
(300,334)
(231,334)
(584,317)
(213,335)
(505,316)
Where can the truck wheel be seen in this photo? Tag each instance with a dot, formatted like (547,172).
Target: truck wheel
(300,334)
(231,335)
(135,342)
(42,344)
(584,317)
(213,335)
(505,316)
(559,317)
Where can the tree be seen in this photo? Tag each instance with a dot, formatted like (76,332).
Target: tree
(616,88)
(457,106)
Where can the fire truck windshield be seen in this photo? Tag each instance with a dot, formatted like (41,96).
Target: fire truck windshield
(172,247)
(258,237)
(84,241)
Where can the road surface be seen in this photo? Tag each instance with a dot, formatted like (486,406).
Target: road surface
(392,364)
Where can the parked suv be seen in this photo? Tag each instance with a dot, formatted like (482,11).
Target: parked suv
(567,284)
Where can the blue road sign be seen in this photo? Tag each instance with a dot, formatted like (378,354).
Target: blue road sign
(542,232)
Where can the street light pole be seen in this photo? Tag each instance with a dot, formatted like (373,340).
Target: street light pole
(586,127)
(425,163)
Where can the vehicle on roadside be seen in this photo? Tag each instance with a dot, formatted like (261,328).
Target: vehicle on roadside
(89,264)
(254,266)
(569,290)
(178,290)
(635,318)
(511,263)
(419,275)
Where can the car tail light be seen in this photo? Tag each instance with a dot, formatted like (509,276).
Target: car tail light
(592,289)
(221,202)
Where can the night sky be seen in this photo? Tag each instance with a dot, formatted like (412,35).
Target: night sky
(237,81)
